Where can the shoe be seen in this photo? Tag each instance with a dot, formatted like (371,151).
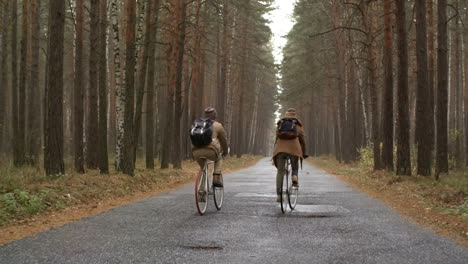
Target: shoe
(218,180)
(295,181)
(278,198)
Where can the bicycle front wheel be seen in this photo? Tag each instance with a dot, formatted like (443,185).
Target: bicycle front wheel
(218,195)
(293,192)
(201,192)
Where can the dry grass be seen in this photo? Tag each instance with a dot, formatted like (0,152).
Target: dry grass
(441,205)
(27,191)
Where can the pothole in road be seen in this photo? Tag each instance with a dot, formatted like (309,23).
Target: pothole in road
(199,247)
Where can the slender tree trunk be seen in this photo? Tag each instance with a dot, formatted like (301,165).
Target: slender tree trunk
(458,90)
(423,119)
(92,147)
(4,75)
(128,165)
(182,9)
(143,74)
(79,88)
(22,84)
(387,111)
(53,152)
(403,147)
(151,87)
(119,89)
(223,67)
(431,73)
(442,92)
(196,64)
(34,124)
(103,158)
(14,83)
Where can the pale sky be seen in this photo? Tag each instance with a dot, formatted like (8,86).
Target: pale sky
(281,24)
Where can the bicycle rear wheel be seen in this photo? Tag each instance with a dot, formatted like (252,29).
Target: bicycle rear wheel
(201,192)
(218,195)
(284,192)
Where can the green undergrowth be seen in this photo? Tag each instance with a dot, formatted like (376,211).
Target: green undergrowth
(26,191)
(448,195)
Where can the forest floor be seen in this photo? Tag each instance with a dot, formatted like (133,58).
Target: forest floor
(440,205)
(30,202)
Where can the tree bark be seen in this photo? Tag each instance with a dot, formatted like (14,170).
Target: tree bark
(387,111)
(14,83)
(182,8)
(143,75)
(92,147)
(403,148)
(151,87)
(442,92)
(34,124)
(423,119)
(119,88)
(53,152)
(22,84)
(431,73)
(103,158)
(4,75)
(78,89)
(127,164)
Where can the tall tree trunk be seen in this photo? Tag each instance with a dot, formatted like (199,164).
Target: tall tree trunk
(14,83)
(431,73)
(22,84)
(151,87)
(387,111)
(143,74)
(53,152)
(458,89)
(128,165)
(442,92)
(78,89)
(403,147)
(92,147)
(34,123)
(4,75)
(196,63)
(224,64)
(102,149)
(119,88)
(182,10)
(423,119)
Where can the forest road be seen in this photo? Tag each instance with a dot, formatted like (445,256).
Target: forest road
(332,223)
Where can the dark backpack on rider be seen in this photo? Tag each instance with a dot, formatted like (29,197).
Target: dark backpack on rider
(201,132)
(287,129)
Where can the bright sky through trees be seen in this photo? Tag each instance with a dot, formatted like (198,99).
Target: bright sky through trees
(281,24)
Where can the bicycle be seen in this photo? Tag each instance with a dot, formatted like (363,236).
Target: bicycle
(204,188)
(288,192)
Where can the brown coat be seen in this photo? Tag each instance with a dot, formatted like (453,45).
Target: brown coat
(219,143)
(294,147)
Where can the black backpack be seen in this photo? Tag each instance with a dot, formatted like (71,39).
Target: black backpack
(287,129)
(201,132)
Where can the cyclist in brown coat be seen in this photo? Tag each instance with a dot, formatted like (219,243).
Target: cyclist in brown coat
(294,147)
(217,148)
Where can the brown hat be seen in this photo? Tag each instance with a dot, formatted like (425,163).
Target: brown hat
(290,113)
(210,113)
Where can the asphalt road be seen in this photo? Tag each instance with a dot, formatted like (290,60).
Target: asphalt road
(332,223)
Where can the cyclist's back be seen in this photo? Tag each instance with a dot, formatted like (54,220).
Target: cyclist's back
(289,143)
(213,150)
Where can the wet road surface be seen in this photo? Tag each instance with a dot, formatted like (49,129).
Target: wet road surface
(332,223)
